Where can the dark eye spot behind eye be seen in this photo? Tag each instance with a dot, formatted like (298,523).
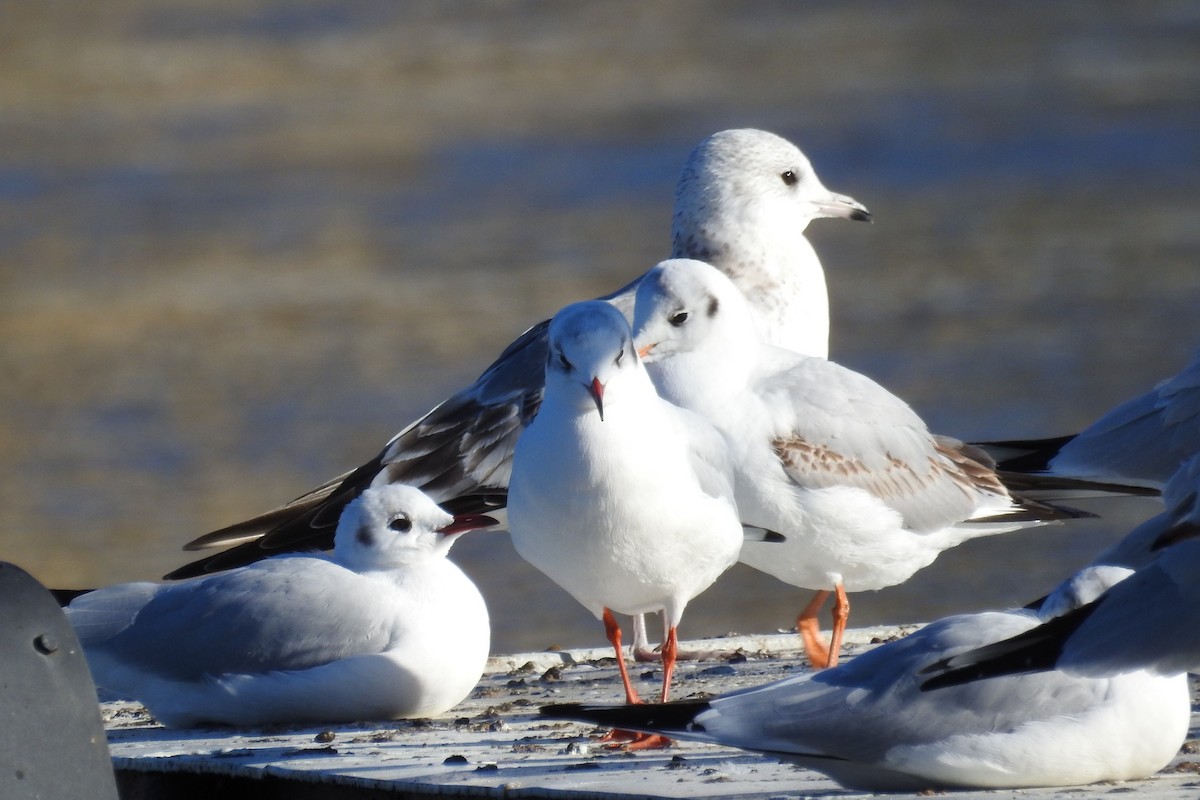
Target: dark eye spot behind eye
(678,318)
(713,305)
(364,536)
(789,177)
(400,524)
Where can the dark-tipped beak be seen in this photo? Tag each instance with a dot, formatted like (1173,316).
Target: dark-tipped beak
(597,391)
(840,205)
(468,522)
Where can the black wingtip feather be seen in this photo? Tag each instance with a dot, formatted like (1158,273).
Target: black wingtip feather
(1025,455)
(1036,650)
(675,716)
(64,596)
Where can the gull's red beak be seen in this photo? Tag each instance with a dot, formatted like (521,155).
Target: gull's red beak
(597,390)
(468,522)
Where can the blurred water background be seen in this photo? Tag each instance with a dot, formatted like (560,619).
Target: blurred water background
(243,243)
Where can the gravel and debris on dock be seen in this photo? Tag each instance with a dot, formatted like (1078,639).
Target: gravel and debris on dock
(494,743)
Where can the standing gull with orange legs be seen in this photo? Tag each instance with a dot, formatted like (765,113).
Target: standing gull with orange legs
(621,498)
(863,492)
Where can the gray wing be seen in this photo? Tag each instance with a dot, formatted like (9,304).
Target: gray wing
(1146,438)
(858,711)
(836,427)
(1142,545)
(1133,449)
(287,613)
(1150,620)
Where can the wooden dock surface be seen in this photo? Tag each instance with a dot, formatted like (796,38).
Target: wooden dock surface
(494,744)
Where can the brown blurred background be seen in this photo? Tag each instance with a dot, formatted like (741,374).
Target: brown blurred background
(243,243)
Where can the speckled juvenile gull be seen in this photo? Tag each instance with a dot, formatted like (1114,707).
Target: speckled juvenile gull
(868,725)
(385,627)
(742,202)
(864,493)
(623,499)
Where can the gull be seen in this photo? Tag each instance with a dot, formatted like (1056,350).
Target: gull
(743,202)
(1140,442)
(622,499)
(1149,621)
(1145,543)
(868,725)
(383,628)
(863,492)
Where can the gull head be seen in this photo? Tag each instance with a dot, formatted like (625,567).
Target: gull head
(591,361)
(1081,588)
(738,181)
(685,306)
(395,525)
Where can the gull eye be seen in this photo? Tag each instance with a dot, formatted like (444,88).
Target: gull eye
(789,177)
(567,365)
(400,524)
(678,318)
(620,357)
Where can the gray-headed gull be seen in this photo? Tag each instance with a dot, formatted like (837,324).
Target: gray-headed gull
(386,627)
(1141,442)
(868,725)
(1150,621)
(623,499)
(864,493)
(742,202)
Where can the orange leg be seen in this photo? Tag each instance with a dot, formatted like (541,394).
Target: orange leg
(636,741)
(669,650)
(613,631)
(841,613)
(644,653)
(810,631)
